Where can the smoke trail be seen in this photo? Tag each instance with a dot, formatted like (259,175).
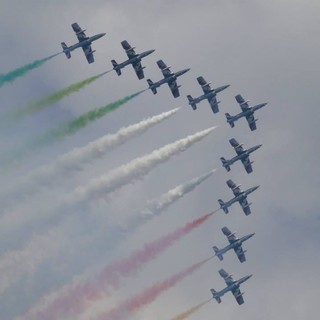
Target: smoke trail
(74,297)
(190,311)
(75,160)
(19,72)
(64,130)
(41,103)
(149,295)
(16,263)
(99,187)
(135,168)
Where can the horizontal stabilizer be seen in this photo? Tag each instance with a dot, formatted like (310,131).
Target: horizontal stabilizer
(225,164)
(215,295)
(150,83)
(65,50)
(229,120)
(217,253)
(223,206)
(116,67)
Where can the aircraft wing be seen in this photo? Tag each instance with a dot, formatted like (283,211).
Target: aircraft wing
(245,206)
(79,32)
(247,164)
(138,69)
(129,50)
(226,276)
(174,88)
(231,236)
(235,189)
(204,84)
(251,121)
(214,104)
(88,53)
(243,103)
(164,68)
(238,295)
(237,147)
(240,254)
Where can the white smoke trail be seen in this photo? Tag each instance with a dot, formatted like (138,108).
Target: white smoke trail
(75,160)
(15,264)
(133,170)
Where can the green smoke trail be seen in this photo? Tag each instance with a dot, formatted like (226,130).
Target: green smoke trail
(19,72)
(66,129)
(41,103)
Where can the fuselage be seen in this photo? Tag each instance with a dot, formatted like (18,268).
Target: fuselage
(243,155)
(210,94)
(233,285)
(84,43)
(247,113)
(241,196)
(172,77)
(235,244)
(136,58)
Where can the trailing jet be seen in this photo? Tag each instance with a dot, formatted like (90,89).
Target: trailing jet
(169,78)
(242,154)
(209,94)
(134,60)
(84,43)
(247,112)
(234,243)
(239,196)
(232,285)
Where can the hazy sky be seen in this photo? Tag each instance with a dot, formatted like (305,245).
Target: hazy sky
(268,51)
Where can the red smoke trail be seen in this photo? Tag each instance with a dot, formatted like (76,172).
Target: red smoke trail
(149,295)
(77,298)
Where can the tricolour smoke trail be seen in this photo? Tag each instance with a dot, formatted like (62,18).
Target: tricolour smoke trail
(76,159)
(149,295)
(99,187)
(41,103)
(15,264)
(74,298)
(190,311)
(19,72)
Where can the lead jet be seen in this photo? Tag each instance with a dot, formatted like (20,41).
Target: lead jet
(242,154)
(234,243)
(84,43)
(169,78)
(239,196)
(134,60)
(232,285)
(247,112)
(209,94)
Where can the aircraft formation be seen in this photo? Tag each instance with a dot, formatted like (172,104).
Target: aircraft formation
(209,94)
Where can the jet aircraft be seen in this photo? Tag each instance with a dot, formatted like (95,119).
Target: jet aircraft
(134,60)
(232,285)
(234,243)
(169,78)
(239,196)
(247,112)
(242,154)
(84,43)
(209,94)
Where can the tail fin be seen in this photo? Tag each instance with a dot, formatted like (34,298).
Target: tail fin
(222,206)
(225,163)
(191,102)
(217,252)
(215,295)
(150,83)
(229,120)
(116,67)
(65,50)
